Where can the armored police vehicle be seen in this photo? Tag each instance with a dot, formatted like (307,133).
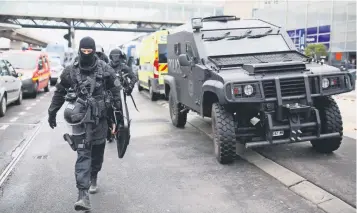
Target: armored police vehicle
(248,76)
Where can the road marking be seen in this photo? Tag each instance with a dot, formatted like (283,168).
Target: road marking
(4,175)
(14,119)
(28,108)
(290,179)
(4,126)
(20,124)
(33,104)
(22,113)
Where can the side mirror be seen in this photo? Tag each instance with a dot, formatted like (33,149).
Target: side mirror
(184,60)
(137,62)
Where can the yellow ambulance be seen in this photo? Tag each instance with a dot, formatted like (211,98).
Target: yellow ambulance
(153,64)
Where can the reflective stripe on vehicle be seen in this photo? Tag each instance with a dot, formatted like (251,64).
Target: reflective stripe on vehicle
(163,67)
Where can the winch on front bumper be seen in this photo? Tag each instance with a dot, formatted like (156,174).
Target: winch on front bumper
(290,124)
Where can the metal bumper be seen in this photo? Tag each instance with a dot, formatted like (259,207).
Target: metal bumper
(285,141)
(294,127)
(28,86)
(156,86)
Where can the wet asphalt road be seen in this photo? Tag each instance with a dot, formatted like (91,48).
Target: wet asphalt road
(165,169)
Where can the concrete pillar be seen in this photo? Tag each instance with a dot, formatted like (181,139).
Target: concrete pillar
(72,33)
(17,45)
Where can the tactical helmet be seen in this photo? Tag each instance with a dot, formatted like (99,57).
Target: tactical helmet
(74,114)
(116,54)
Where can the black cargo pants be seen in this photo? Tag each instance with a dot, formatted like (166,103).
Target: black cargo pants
(89,162)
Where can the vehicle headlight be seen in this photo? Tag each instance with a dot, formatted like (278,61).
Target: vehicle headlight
(325,83)
(244,90)
(330,83)
(248,90)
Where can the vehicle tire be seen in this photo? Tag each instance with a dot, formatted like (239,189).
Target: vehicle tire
(47,88)
(224,137)
(140,88)
(34,94)
(153,95)
(3,104)
(178,119)
(331,121)
(19,99)
(52,82)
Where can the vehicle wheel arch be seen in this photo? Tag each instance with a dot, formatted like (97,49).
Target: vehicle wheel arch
(3,95)
(170,86)
(167,89)
(212,92)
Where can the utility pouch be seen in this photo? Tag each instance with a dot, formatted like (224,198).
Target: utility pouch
(69,140)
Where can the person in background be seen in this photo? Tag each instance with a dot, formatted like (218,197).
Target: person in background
(101,55)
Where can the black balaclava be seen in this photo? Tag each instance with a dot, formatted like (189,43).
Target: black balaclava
(87,60)
(115,57)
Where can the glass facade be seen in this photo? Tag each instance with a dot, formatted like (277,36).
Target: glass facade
(329,22)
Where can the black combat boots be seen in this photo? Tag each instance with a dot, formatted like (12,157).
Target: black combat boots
(93,186)
(83,203)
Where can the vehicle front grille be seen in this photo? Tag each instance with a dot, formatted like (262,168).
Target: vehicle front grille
(269,89)
(292,87)
(288,87)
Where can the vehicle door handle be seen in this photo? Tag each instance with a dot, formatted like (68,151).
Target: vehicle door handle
(5,81)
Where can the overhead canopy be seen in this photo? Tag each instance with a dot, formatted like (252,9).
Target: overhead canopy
(6,26)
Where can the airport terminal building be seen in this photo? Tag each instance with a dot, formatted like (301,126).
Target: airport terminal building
(330,22)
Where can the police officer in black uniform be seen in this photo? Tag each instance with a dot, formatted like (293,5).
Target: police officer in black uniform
(89,78)
(118,63)
(101,55)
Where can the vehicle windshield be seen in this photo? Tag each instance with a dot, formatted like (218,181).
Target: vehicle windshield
(21,61)
(243,41)
(55,48)
(55,63)
(162,53)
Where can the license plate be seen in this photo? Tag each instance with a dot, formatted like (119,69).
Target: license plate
(278,133)
(70,106)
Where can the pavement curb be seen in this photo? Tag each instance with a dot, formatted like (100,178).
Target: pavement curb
(294,182)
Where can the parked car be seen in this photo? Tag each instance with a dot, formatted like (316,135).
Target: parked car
(10,86)
(56,69)
(34,68)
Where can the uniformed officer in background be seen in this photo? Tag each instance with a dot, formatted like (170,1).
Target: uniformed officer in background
(84,85)
(118,63)
(101,55)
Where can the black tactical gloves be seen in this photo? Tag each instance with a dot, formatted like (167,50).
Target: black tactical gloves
(52,121)
(128,90)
